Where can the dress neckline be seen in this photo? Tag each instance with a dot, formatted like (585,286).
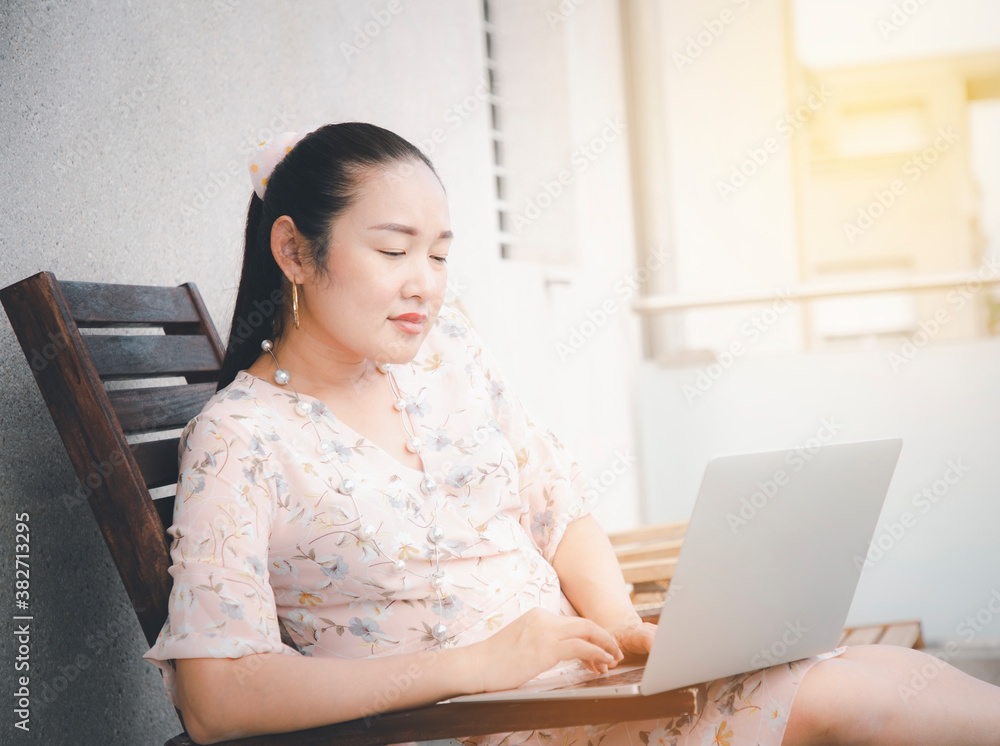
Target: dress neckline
(341,424)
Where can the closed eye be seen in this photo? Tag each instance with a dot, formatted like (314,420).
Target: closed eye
(443,259)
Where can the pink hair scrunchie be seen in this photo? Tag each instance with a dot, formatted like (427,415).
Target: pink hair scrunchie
(266,156)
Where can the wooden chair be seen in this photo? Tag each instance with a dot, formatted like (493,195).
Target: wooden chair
(122,443)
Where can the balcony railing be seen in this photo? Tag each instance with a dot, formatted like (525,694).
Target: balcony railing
(652,304)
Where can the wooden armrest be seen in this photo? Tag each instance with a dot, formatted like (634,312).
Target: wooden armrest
(481,718)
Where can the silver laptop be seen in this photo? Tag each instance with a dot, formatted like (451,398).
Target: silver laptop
(766,574)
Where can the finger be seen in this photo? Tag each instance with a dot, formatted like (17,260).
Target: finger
(595,634)
(599,636)
(593,656)
(598,668)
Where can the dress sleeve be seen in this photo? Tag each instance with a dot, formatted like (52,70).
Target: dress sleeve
(551,484)
(221,604)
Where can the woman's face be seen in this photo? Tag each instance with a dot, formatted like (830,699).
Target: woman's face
(386,273)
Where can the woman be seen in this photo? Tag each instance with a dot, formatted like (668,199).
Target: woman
(366,520)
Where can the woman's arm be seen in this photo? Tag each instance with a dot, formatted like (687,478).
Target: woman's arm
(224,698)
(592,581)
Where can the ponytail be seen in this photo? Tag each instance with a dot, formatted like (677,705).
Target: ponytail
(257,315)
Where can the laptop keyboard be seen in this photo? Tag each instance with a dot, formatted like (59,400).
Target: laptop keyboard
(621,678)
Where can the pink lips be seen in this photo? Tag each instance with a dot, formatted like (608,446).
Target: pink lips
(410,323)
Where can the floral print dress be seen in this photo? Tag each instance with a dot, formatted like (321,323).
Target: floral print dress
(294,534)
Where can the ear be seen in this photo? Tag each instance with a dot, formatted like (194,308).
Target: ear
(286,243)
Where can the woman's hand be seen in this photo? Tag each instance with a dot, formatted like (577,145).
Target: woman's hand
(633,636)
(535,642)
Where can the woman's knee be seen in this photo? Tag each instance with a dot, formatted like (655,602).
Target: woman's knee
(844,700)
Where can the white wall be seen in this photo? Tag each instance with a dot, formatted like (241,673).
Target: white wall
(941,564)
(726,94)
(571,361)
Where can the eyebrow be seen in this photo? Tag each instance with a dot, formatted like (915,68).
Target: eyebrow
(408,230)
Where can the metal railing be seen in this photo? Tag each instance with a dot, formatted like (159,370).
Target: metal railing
(652,304)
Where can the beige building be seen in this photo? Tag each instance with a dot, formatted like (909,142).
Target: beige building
(886,192)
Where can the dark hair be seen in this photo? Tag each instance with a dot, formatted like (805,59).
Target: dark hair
(313,184)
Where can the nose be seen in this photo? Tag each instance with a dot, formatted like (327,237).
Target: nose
(422,278)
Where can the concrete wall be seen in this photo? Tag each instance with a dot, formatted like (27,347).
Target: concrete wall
(126,128)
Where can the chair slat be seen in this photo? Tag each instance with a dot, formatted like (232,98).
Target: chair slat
(157,461)
(96,305)
(206,326)
(643,534)
(148,356)
(160,407)
(644,571)
(864,635)
(165,509)
(905,634)
(649,550)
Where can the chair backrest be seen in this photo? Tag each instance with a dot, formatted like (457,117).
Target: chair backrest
(122,439)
